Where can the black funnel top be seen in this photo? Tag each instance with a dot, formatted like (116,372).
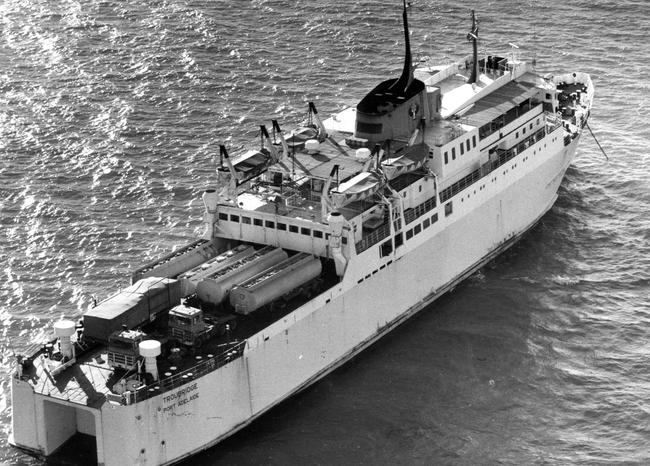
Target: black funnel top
(407,72)
(393,92)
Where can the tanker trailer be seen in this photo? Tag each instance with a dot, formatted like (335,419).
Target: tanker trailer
(281,280)
(214,288)
(191,278)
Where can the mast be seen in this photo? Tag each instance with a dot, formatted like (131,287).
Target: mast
(472,36)
(407,72)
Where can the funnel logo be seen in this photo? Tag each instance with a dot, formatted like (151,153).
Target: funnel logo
(413,110)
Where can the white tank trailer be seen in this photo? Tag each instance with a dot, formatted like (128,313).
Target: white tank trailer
(274,282)
(177,262)
(191,278)
(214,289)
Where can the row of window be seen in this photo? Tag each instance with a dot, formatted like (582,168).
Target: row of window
(462,146)
(276,225)
(375,271)
(386,248)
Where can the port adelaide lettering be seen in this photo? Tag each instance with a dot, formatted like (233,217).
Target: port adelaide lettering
(180,397)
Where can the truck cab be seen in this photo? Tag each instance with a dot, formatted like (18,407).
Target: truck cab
(186,324)
(123,348)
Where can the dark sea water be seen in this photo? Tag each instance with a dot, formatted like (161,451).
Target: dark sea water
(111,113)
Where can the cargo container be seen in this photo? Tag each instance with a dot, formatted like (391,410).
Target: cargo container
(179,261)
(131,307)
(214,288)
(285,279)
(191,278)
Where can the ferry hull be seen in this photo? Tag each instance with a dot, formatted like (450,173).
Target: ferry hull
(307,344)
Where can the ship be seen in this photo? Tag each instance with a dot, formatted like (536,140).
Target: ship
(317,243)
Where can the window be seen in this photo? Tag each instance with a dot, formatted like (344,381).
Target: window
(409,234)
(548,96)
(523,131)
(344,240)
(531,126)
(446,157)
(293,229)
(434,218)
(453,153)
(234,218)
(474,141)
(399,240)
(448,208)
(426,224)
(318,234)
(305,231)
(417,229)
(257,222)
(462,149)
(467,146)
(282,226)
(246,220)
(223,216)
(386,248)
(517,134)
(269,224)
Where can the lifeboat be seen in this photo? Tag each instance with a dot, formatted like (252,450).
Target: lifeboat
(413,158)
(357,188)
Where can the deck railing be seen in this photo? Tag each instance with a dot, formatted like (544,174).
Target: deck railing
(166,384)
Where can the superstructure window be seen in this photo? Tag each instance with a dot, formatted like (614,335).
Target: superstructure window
(269,224)
(446,157)
(453,153)
(434,218)
(246,220)
(426,224)
(257,222)
(449,208)
(282,226)
(386,248)
(305,231)
(293,228)
(399,240)
(467,145)
(234,218)
(409,234)
(363,127)
(417,229)
(223,216)
(318,234)
(462,149)
(474,141)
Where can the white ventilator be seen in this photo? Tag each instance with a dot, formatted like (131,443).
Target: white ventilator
(149,350)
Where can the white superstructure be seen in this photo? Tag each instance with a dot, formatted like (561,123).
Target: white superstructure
(317,243)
